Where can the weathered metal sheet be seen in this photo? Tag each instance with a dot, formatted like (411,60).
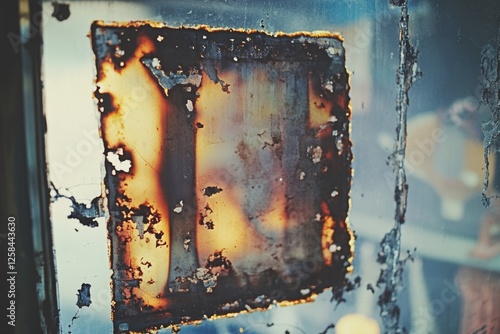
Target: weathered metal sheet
(228,164)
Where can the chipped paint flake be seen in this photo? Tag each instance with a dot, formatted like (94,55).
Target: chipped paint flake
(115,158)
(84,296)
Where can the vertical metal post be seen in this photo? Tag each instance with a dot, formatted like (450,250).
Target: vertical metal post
(38,191)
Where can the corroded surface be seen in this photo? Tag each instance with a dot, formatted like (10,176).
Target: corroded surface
(390,246)
(490,70)
(228,169)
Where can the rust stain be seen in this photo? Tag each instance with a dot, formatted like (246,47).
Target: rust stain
(228,169)
(209,29)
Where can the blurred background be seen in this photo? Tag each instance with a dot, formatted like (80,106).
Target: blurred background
(451,286)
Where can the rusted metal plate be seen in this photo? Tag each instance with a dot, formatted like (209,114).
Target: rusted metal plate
(228,164)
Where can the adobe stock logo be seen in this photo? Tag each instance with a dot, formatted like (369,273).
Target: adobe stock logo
(415,158)
(425,148)
(91,142)
(30,29)
(76,154)
(423,318)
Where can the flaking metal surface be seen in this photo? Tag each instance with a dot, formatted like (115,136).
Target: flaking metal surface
(228,185)
(391,276)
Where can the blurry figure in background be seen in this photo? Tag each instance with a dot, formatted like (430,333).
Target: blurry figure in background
(446,164)
(481,295)
(481,289)
(488,243)
(457,180)
(445,151)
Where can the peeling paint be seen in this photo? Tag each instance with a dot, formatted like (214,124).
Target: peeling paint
(226,172)
(490,70)
(85,214)
(84,296)
(211,190)
(61,11)
(170,80)
(390,246)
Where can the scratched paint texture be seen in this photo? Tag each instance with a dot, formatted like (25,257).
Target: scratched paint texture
(228,187)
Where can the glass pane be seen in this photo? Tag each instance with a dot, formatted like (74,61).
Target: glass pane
(452,283)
